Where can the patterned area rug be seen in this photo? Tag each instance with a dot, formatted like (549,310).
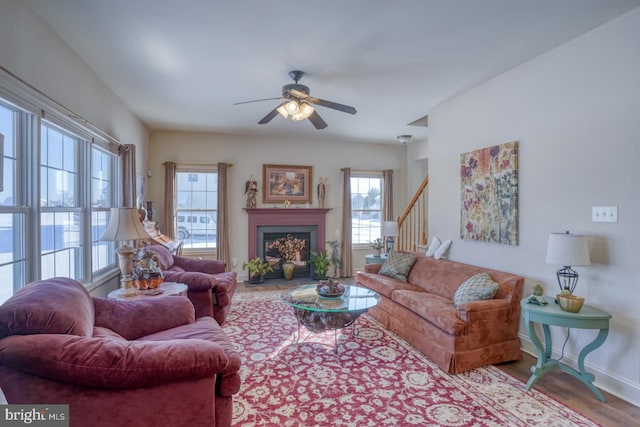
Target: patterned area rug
(374,379)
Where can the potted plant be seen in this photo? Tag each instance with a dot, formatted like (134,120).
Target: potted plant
(320,263)
(257,268)
(377,246)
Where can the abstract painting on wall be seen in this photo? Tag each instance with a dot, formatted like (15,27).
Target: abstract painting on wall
(489,194)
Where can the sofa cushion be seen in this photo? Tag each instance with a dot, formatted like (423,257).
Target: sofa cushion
(435,309)
(382,284)
(478,287)
(41,308)
(398,265)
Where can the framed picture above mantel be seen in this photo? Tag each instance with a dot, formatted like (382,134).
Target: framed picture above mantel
(286,184)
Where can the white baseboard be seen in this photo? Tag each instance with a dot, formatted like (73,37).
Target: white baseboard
(607,381)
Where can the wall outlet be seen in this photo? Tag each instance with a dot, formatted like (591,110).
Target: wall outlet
(604,214)
(234,262)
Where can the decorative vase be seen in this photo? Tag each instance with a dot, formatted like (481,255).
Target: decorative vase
(376,252)
(287,270)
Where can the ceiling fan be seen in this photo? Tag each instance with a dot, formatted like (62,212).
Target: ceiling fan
(297,103)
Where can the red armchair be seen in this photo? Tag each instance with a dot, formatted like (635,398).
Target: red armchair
(144,362)
(211,288)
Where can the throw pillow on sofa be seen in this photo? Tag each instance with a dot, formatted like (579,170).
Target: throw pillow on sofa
(437,249)
(433,247)
(398,265)
(478,287)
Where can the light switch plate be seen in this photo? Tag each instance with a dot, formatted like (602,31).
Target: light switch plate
(604,214)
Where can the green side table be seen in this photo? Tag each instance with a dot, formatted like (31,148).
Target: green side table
(551,315)
(375,259)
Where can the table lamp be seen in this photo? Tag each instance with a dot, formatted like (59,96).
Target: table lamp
(568,250)
(390,231)
(125,225)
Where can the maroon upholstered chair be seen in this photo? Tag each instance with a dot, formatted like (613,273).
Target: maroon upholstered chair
(145,362)
(211,287)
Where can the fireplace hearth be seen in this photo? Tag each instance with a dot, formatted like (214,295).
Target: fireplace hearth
(279,244)
(283,234)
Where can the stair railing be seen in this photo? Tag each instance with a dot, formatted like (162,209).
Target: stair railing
(412,224)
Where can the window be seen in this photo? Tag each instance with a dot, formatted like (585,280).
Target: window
(366,208)
(61,247)
(103,172)
(13,214)
(59,183)
(197,208)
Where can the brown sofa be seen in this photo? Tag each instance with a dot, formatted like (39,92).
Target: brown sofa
(144,362)
(422,311)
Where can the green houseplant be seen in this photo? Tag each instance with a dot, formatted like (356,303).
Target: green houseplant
(320,263)
(257,268)
(377,246)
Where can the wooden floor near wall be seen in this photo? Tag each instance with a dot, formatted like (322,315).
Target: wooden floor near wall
(615,412)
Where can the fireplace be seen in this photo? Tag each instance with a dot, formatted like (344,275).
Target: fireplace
(271,230)
(277,244)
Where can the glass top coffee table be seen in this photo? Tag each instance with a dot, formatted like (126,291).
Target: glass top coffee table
(318,313)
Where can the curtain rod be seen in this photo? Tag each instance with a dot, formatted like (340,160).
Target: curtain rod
(207,165)
(70,114)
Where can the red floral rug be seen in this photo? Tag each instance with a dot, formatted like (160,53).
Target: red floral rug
(374,379)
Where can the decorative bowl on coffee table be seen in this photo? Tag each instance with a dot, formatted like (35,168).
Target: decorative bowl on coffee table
(330,288)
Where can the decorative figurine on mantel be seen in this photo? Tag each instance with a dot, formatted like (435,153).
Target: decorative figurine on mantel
(321,193)
(251,189)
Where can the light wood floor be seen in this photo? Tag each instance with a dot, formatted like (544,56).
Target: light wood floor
(615,412)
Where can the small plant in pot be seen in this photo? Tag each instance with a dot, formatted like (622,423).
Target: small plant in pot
(257,268)
(377,246)
(320,263)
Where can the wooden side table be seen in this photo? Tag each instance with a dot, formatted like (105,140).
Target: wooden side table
(373,259)
(165,289)
(551,314)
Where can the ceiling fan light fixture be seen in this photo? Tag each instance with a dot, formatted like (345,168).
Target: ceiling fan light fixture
(282,109)
(305,111)
(292,107)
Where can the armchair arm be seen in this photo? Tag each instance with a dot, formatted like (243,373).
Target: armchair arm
(195,281)
(137,318)
(208,266)
(114,364)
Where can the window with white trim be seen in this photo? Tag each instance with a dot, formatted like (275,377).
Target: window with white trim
(58,186)
(366,207)
(196,211)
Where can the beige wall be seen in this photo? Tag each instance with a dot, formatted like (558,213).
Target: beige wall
(249,153)
(575,111)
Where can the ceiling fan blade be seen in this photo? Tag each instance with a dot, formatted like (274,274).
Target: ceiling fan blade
(298,94)
(333,105)
(266,119)
(256,100)
(317,120)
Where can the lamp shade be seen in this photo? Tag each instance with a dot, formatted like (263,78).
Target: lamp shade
(389,228)
(568,249)
(124,225)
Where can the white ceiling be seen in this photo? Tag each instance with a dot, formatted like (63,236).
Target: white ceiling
(183,64)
